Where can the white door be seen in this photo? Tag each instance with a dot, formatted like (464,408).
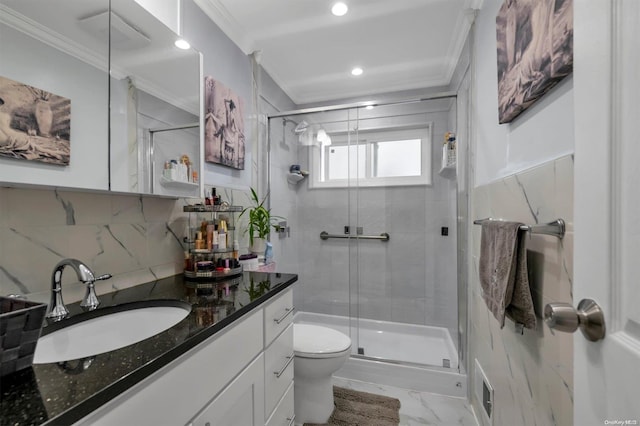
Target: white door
(607,207)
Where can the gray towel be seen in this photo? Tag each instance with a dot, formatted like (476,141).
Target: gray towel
(503,272)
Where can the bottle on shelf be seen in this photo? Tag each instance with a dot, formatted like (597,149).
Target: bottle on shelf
(236,249)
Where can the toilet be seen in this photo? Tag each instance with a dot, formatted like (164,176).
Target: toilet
(319,352)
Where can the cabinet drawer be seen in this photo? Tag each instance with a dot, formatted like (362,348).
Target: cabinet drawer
(283,414)
(278,369)
(277,316)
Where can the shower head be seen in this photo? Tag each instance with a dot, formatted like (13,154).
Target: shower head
(301,128)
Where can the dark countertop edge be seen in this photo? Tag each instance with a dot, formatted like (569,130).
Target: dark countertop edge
(92,403)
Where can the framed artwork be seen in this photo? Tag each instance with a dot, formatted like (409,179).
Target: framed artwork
(35,125)
(224,125)
(535,51)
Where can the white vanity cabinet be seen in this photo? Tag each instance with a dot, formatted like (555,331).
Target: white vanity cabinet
(229,380)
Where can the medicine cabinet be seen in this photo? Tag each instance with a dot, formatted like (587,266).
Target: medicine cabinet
(128,101)
(47,53)
(155,106)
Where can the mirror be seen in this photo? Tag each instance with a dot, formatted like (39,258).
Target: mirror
(110,125)
(48,62)
(155,106)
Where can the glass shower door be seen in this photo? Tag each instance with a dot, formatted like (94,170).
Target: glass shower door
(403,290)
(386,275)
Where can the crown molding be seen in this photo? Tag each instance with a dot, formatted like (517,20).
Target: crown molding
(219,14)
(34,29)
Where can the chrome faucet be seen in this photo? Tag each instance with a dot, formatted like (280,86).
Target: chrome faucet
(57,309)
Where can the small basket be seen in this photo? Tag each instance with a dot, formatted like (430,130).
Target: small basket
(20,326)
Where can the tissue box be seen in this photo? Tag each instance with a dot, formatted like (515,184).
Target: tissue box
(249,262)
(20,326)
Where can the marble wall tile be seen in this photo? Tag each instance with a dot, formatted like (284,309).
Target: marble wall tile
(32,207)
(136,239)
(4,206)
(26,250)
(532,373)
(110,248)
(86,208)
(564,190)
(125,209)
(157,209)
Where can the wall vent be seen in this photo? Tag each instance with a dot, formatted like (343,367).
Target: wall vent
(484,394)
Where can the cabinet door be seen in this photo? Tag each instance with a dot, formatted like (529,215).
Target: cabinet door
(66,73)
(154,107)
(283,414)
(239,404)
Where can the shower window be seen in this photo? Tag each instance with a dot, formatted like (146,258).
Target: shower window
(389,158)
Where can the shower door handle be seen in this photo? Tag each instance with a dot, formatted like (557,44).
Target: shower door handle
(588,317)
(324,235)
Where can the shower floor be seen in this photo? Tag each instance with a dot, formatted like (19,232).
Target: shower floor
(405,343)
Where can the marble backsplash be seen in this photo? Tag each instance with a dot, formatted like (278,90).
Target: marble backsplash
(134,238)
(531,373)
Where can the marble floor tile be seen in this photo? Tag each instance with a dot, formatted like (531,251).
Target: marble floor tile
(419,408)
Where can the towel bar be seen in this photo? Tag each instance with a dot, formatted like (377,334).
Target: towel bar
(555,228)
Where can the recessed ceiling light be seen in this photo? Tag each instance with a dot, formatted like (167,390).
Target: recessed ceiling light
(182,44)
(357,71)
(369,107)
(339,9)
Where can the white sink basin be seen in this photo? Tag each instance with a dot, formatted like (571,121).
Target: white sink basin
(108,329)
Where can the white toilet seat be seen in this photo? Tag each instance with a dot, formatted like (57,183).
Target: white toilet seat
(312,341)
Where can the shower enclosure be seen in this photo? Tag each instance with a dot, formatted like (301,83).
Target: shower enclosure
(373,226)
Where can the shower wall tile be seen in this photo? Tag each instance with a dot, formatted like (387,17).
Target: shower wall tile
(416,261)
(134,238)
(372,307)
(532,373)
(397,279)
(411,311)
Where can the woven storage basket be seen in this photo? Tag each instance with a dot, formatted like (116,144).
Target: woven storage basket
(20,326)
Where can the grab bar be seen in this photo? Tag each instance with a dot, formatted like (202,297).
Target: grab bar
(555,228)
(383,237)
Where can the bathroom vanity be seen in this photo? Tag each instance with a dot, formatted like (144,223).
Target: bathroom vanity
(230,358)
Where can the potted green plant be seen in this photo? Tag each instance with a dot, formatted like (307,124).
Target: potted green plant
(260,222)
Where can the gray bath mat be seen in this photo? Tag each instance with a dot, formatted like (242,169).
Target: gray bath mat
(355,408)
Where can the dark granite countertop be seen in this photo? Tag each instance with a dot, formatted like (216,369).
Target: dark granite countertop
(63,393)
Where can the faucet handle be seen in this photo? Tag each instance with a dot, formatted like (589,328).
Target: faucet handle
(104,277)
(90,300)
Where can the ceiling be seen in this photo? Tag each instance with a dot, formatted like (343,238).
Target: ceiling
(400,44)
